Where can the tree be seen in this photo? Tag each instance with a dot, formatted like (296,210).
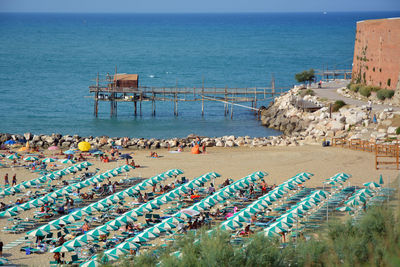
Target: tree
(305,76)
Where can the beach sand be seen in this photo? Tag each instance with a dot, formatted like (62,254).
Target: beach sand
(280,163)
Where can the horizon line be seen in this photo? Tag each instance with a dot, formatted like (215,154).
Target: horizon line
(191,13)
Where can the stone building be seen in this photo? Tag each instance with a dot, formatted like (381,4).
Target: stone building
(377,53)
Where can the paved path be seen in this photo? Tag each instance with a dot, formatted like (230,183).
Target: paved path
(329,91)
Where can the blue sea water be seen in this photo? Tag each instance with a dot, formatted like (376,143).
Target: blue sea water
(47,62)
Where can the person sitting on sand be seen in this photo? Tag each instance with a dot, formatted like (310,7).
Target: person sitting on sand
(153,154)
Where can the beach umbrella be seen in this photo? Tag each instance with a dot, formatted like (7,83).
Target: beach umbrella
(31,158)
(16,209)
(86,164)
(166,225)
(62,249)
(84,211)
(8,213)
(53,148)
(99,206)
(272,232)
(37,202)
(354,202)
(138,239)
(231,224)
(48,160)
(150,206)
(60,221)
(237,217)
(84,146)
(116,251)
(166,198)
(2,155)
(38,232)
(71,217)
(74,243)
(49,227)
(147,235)
(366,191)
(91,263)
(381,180)
(85,238)
(69,152)
(287,219)
(10,142)
(97,232)
(244,213)
(344,209)
(133,213)
(13,156)
(174,220)
(128,245)
(372,185)
(184,216)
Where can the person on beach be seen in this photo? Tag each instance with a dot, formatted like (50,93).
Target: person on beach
(14,180)
(6,182)
(1,248)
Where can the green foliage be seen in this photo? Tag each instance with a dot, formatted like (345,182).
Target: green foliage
(365,91)
(398,130)
(348,86)
(385,94)
(338,105)
(307,92)
(355,87)
(305,76)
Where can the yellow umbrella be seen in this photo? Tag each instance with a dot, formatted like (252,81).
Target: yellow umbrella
(84,146)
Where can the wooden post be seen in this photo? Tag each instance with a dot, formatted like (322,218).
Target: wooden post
(140,105)
(232,110)
(135,103)
(96,97)
(255,97)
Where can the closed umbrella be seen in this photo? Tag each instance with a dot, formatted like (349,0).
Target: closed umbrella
(381,180)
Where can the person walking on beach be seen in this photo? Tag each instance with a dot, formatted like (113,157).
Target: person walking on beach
(369,108)
(6,182)
(1,248)
(14,180)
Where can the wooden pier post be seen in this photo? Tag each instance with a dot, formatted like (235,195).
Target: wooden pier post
(135,102)
(232,110)
(96,97)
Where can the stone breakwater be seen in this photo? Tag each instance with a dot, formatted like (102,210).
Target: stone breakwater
(302,127)
(68,141)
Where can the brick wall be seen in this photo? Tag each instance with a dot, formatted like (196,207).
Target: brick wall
(377,53)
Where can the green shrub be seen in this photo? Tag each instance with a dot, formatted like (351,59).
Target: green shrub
(398,130)
(355,87)
(307,92)
(348,85)
(338,105)
(365,91)
(385,94)
(374,88)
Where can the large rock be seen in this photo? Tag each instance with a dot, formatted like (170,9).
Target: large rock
(391,130)
(354,119)
(335,125)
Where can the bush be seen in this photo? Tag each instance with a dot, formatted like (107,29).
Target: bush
(385,94)
(355,87)
(338,105)
(374,88)
(365,91)
(398,130)
(307,92)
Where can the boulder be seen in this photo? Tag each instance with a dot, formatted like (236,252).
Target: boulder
(219,143)
(391,130)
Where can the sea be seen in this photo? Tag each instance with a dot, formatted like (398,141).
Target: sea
(48,61)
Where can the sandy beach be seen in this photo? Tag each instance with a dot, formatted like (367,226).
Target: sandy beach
(280,163)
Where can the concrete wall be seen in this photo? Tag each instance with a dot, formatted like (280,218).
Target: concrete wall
(377,53)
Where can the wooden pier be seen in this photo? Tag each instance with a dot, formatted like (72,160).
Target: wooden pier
(118,88)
